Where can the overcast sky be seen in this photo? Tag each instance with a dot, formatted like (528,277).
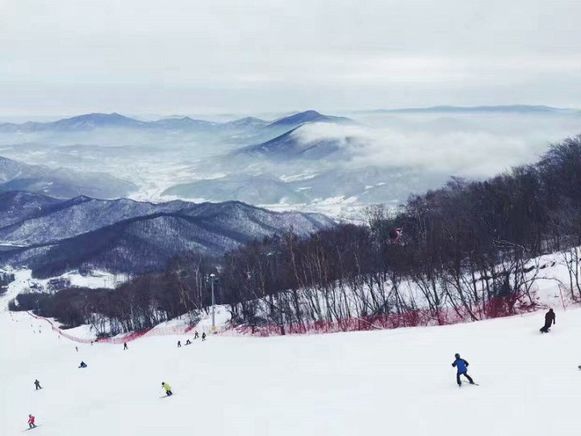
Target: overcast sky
(243,56)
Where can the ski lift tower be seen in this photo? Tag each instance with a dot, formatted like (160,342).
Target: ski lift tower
(212,280)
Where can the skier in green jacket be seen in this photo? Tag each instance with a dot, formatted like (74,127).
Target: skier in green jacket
(167,389)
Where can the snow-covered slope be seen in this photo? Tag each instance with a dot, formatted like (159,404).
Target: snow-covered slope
(383,382)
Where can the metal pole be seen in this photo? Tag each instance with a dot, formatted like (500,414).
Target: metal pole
(212,276)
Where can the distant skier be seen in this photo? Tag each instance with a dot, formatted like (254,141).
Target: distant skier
(83,365)
(31,420)
(188,342)
(550,319)
(37,385)
(461,366)
(77,348)
(125,347)
(167,389)
(196,335)
(203,336)
(179,344)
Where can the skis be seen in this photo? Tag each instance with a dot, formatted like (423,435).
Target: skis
(476,384)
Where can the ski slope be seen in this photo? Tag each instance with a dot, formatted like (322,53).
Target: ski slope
(396,382)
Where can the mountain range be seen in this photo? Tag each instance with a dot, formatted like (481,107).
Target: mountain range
(305,160)
(60,182)
(89,122)
(53,236)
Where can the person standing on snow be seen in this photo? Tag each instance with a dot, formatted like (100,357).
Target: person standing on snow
(203,336)
(37,385)
(31,420)
(179,344)
(125,347)
(167,389)
(461,366)
(550,319)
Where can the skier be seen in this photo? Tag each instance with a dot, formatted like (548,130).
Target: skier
(179,344)
(77,348)
(204,336)
(37,385)
(83,365)
(550,319)
(188,342)
(31,423)
(167,389)
(196,335)
(461,366)
(125,346)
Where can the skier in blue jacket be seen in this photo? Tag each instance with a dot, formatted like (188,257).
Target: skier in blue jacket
(461,366)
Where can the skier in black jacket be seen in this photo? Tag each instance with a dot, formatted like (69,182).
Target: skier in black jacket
(550,319)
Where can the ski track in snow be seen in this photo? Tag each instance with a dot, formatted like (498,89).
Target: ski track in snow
(394,382)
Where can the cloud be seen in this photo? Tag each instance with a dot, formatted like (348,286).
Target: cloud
(473,146)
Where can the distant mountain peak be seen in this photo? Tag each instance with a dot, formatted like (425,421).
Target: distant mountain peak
(308,116)
(181,122)
(247,121)
(290,145)
(94,120)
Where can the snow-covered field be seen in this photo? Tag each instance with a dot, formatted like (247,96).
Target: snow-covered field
(24,282)
(382,382)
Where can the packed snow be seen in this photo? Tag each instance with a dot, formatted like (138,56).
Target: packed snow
(393,381)
(24,282)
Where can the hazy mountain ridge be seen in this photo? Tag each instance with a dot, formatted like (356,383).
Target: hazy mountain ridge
(60,182)
(117,121)
(253,189)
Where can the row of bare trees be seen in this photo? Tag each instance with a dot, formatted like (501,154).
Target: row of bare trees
(469,250)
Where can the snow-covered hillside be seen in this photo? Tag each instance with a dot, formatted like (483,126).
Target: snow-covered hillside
(389,382)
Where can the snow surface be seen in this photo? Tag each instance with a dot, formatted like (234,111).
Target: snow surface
(381,382)
(24,282)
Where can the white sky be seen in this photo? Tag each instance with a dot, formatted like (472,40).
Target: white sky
(245,56)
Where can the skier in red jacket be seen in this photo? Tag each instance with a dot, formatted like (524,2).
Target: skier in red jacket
(31,423)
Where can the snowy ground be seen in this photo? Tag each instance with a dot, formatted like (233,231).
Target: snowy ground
(24,282)
(382,382)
